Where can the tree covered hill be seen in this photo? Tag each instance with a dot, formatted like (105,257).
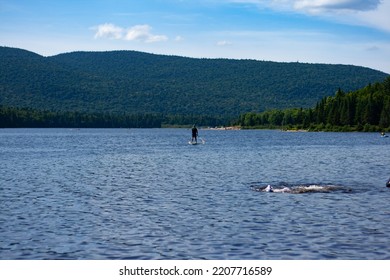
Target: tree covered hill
(135,82)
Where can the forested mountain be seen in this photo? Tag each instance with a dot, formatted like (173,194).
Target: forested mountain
(366,109)
(137,83)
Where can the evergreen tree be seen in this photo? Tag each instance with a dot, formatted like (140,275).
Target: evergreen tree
(384,121)
(367,109)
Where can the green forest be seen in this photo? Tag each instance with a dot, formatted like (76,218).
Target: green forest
(367,109)
(135,89)
(32,118)
(131,83)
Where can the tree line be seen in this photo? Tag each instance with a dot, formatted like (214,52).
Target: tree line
(367,109)
(31,118)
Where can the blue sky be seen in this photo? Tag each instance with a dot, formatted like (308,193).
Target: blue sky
(316,31)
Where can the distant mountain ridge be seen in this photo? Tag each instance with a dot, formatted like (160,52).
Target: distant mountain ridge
(136,82)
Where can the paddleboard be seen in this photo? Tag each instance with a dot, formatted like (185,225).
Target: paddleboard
(200,141)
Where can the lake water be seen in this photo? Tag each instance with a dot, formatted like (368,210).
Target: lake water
(147,194)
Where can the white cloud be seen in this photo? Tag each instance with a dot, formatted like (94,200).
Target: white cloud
(140,33)
(371,13)
(333,5)
(317,5)
(143,33)
(378,18)
(108,30)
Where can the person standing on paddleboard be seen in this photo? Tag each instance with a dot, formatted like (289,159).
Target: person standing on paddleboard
(194,134)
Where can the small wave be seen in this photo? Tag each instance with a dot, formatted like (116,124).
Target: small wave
(300,188)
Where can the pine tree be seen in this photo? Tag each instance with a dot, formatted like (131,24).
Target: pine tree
(384,121)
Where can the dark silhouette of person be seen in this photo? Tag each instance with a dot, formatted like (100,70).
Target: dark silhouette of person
(194,134)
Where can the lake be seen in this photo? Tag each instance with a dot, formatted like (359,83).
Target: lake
(148,194)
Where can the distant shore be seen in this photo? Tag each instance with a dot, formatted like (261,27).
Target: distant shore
(223,128)
(322,128)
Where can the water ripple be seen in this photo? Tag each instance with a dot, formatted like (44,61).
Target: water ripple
(147,194)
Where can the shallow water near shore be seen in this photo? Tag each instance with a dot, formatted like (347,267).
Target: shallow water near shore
(148,194)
